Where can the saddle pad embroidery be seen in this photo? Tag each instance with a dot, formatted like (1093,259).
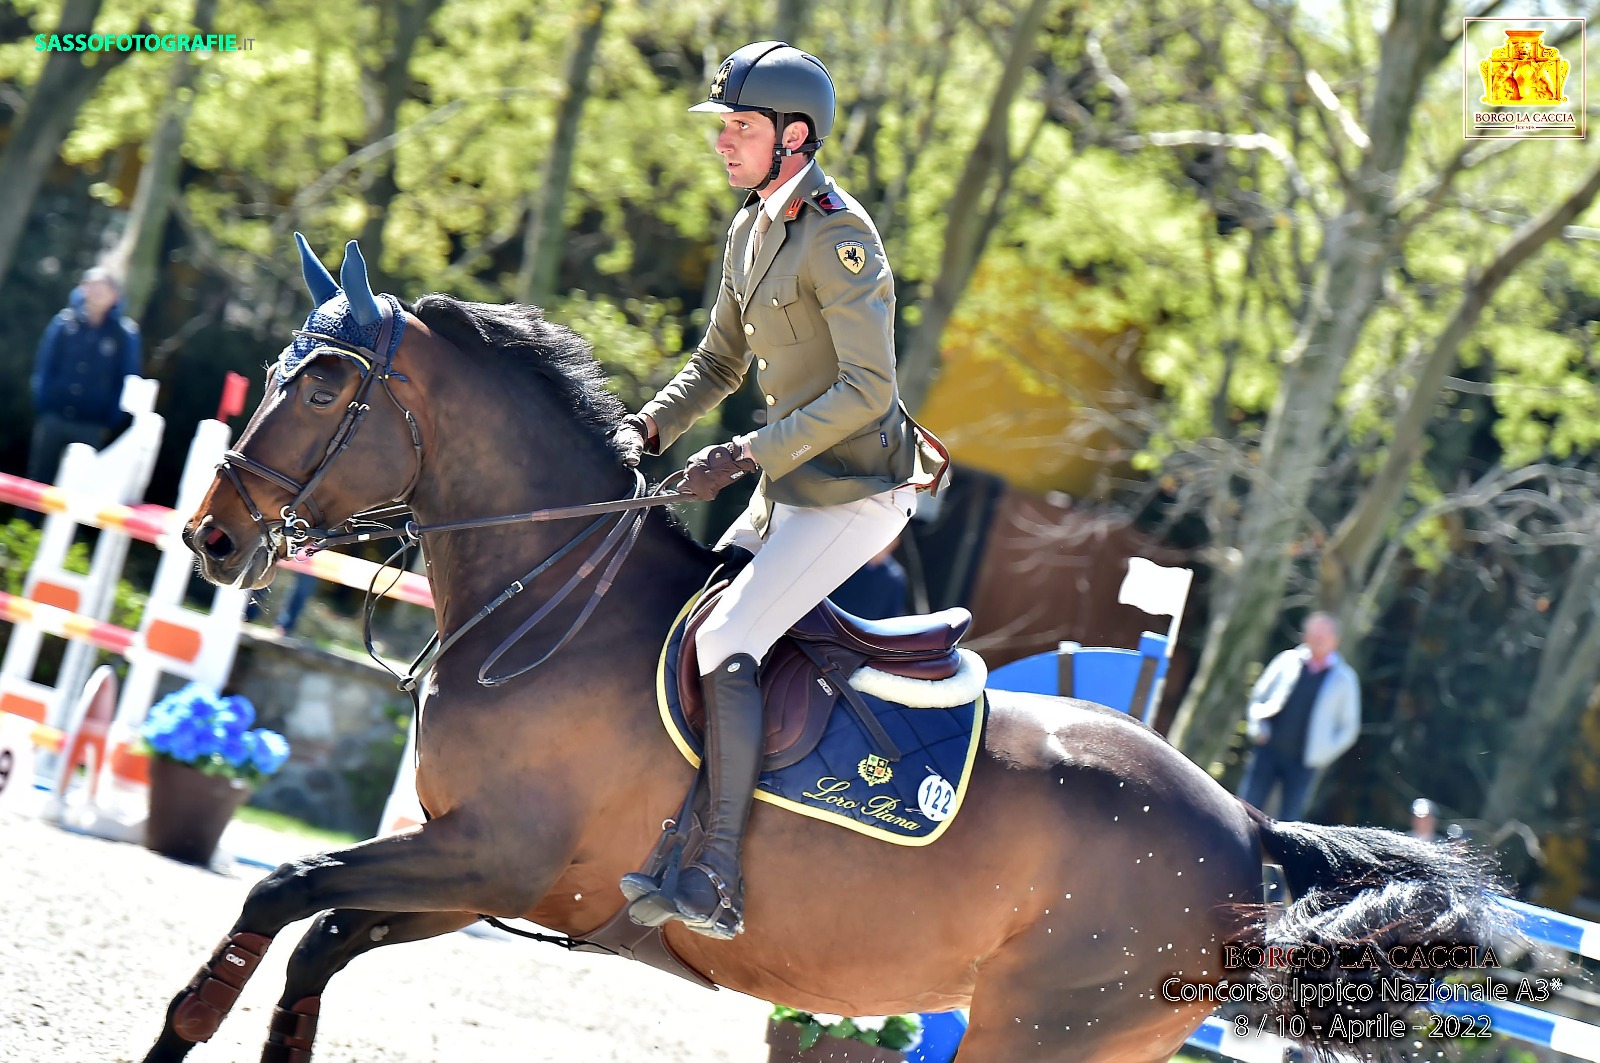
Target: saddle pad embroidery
(907,802)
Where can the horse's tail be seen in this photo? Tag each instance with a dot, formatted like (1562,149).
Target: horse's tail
(1377,915)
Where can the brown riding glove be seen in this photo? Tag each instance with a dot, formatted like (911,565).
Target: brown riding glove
(714,468)
(631,438)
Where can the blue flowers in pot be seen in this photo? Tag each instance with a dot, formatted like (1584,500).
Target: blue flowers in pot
(205,758)
(197,727)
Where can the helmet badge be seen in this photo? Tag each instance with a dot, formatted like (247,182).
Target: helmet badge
(719,84)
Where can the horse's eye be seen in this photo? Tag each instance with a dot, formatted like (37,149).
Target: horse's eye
(322,398)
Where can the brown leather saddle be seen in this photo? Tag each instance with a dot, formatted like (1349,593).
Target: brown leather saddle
(802,675)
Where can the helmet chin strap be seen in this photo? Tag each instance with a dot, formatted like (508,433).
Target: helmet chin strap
(779,123)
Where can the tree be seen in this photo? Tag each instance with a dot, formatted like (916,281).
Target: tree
(1569,669)
(1347,559)
(401,23)
(974,209)
(1286,333)
(137,252)
(544,237)
(1355,249)
(63,87)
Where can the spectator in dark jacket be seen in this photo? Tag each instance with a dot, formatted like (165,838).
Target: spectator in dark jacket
(77,376)
(878,590)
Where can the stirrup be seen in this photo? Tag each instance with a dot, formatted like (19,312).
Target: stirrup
(724,922)
(648,903)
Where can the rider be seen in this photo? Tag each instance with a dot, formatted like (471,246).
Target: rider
(807,294)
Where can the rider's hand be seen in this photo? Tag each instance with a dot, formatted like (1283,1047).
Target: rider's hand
(630,438)
(714,468)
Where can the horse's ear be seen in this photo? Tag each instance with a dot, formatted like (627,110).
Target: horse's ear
(357,290)
(318,279)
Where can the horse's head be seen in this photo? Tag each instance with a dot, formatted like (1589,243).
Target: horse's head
(329,440)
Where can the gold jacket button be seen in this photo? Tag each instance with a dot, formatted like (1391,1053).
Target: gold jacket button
(774,300)
(771,401)
(762,362)
(749,329)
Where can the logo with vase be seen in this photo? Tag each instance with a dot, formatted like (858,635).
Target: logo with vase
(1519,90)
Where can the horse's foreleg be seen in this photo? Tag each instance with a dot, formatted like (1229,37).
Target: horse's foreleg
(445,866)
(336,938)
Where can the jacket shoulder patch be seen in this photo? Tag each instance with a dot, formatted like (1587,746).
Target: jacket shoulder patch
(828,202)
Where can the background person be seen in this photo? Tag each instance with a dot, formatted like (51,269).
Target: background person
(87,350)
(878,590)
(1305,712)
(1424,820)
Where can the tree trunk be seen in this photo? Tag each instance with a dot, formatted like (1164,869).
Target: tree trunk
(542,244)
(791,24)
(1568,670)
(139,249)
(1292,451)
(64,86)
(410,19)
(1346,560)
(967,222)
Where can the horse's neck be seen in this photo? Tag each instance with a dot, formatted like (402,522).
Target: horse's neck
(507,458)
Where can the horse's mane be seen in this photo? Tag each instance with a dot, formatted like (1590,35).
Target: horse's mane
(520,337)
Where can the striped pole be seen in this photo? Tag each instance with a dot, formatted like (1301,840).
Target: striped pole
(161,526)
(1537,1027)
(1218,1036)
(1554,928)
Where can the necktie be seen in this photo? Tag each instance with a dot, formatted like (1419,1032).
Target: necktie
(757,234)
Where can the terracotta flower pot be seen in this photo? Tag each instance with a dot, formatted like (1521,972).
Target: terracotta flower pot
(783,1040)
(189,810)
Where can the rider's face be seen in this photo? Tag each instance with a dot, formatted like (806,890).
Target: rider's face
(745,145)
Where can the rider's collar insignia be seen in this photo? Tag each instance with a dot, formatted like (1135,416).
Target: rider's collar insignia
(794,209)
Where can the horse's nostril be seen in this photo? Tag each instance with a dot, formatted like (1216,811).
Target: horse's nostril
(217,544)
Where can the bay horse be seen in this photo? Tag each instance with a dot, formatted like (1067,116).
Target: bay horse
(1090,871)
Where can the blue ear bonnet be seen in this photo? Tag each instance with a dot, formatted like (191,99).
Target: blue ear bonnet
(351,314)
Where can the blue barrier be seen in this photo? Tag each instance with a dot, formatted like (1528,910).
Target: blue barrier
(1557,1032)
(1553,928)
(1105,675)
(941,1036)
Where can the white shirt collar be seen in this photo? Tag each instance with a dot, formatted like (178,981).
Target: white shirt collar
(775,203)
(1333,658)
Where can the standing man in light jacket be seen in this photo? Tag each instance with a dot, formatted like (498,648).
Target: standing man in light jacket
(1305,712)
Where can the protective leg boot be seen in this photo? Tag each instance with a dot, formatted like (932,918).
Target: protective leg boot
(708,895)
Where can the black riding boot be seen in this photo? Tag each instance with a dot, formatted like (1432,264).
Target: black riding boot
(709,897)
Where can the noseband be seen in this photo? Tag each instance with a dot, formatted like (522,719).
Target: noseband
(295,531)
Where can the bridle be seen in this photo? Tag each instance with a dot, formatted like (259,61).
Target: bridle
(297,533)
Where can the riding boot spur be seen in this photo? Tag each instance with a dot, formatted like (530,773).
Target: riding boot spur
(708,894)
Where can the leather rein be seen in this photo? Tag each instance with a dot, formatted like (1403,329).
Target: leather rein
(296,534)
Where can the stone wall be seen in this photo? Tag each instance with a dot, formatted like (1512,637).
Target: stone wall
(345,721)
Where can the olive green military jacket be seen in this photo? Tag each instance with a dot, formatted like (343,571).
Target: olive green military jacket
(815,313)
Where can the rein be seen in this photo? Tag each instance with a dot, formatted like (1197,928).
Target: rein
(298,534)
(625,532)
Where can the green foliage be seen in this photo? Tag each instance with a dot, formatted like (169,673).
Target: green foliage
(317,837)
(19,542)
(894,1032)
